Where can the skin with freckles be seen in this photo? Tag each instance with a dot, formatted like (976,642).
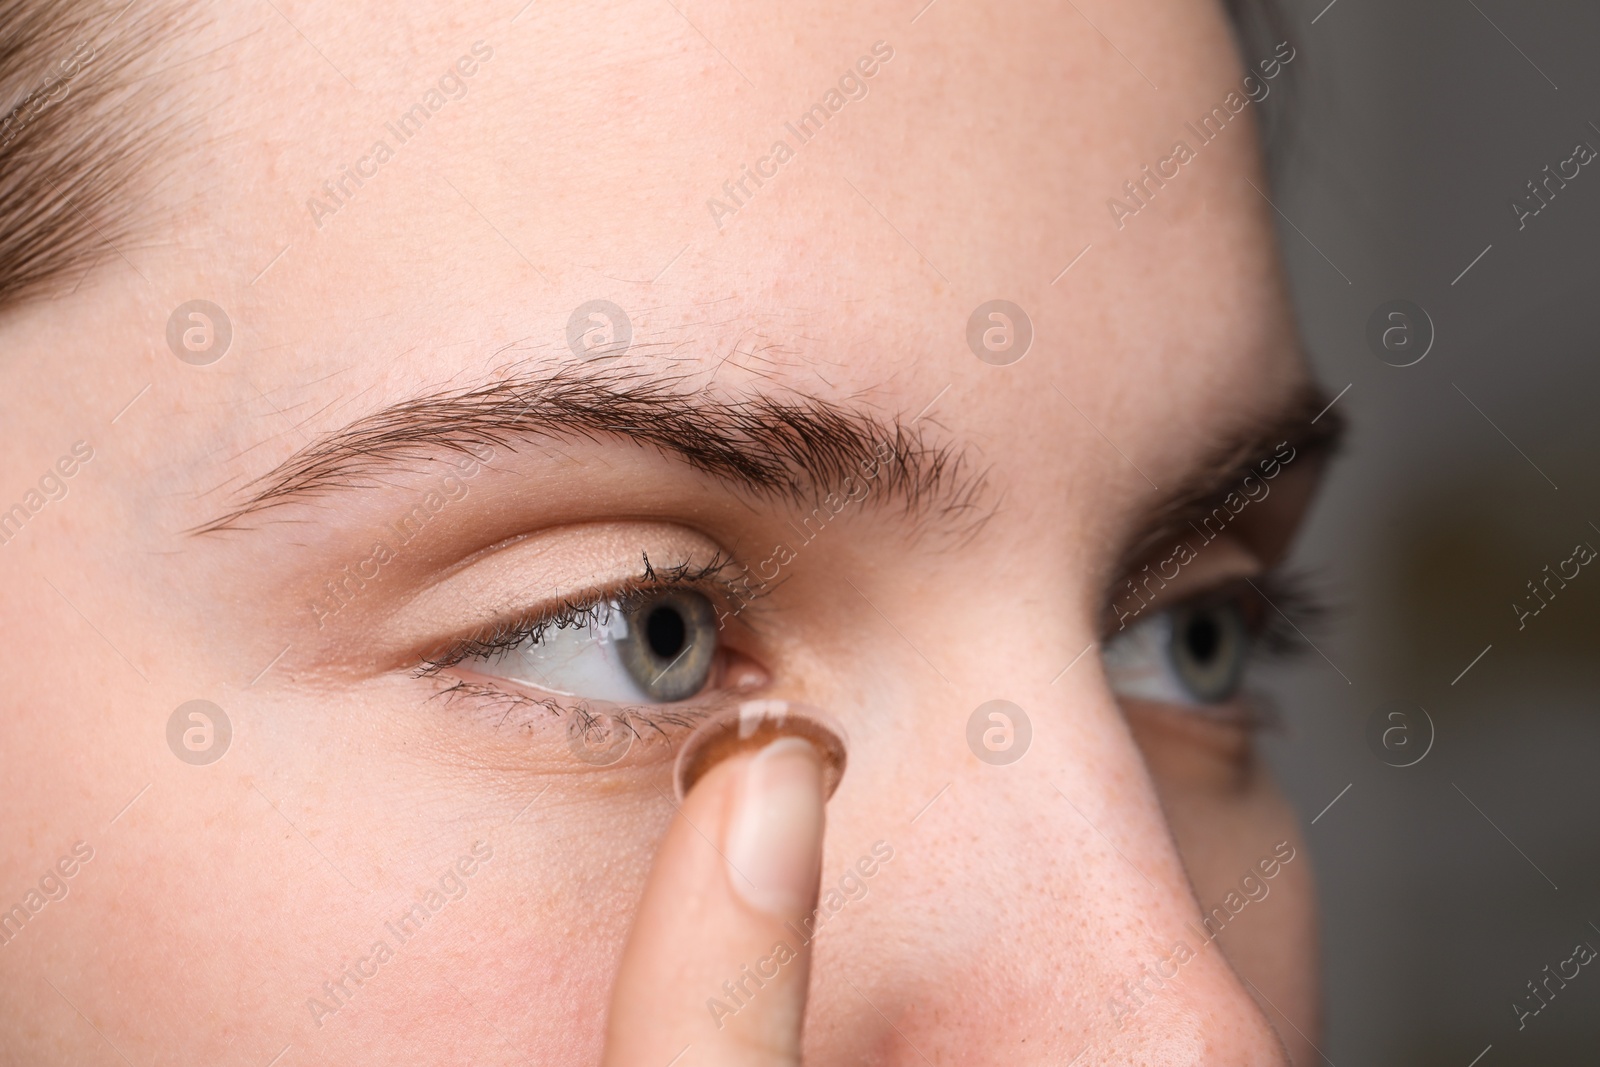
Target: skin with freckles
(397,864)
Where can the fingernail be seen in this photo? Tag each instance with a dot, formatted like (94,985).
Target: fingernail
(774,836)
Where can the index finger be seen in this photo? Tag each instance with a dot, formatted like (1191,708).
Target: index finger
(715,971)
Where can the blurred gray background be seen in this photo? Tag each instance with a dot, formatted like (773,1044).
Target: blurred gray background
(1448,885)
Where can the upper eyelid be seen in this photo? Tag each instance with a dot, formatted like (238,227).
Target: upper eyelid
(1288,606)
(569,563)
(1310,446)
(1126,602)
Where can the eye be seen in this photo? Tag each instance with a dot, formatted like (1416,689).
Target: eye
(1192,653)
(670,645)
(648,647)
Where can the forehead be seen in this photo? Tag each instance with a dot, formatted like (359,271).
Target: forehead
(397,199)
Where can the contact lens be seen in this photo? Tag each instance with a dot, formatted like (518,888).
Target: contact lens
(751,726)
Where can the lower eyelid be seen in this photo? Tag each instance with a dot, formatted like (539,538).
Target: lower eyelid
(565,728)
(1228,736)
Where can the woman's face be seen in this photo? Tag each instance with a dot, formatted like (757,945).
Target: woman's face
(439,536)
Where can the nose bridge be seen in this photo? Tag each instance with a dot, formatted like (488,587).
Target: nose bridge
(1035,908)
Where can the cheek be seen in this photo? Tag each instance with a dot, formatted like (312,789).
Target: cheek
(1225,811)
(532,945)
(541,967)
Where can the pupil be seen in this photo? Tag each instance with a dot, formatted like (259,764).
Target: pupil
(665,631)
(1203,638)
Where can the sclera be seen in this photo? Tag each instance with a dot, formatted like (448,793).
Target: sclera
(750,727)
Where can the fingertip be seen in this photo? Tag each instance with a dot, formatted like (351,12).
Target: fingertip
(773,840)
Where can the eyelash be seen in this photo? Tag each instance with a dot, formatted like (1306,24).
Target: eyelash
(508,634)
(1281,638)
(1277,606)
(581,715)
(1278,636)
(1302,607)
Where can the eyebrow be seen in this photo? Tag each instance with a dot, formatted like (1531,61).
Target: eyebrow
(801,448)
